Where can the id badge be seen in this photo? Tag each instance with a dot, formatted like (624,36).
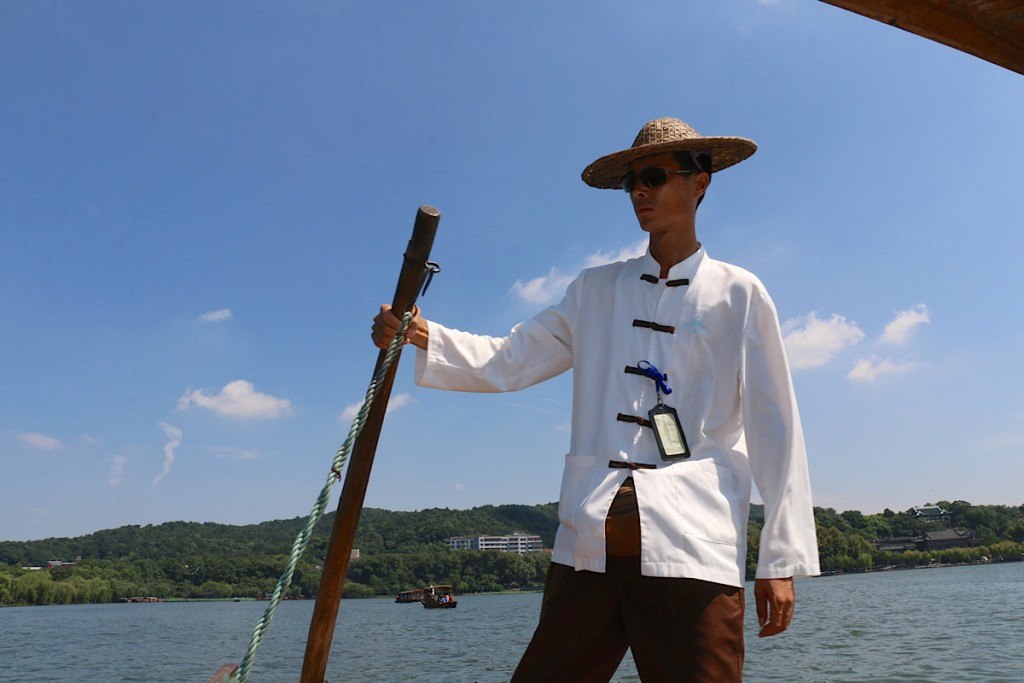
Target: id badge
(668,432)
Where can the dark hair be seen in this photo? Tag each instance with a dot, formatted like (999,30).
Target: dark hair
(703,161)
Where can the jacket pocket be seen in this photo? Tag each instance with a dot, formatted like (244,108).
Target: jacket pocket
(575,486)
(706,501)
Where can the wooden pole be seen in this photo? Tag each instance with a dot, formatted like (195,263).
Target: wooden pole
(325,612)
(990,29)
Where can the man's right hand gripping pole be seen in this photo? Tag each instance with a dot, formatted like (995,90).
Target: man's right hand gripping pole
(386,325)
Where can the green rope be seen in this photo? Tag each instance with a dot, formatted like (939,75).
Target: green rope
(302,540)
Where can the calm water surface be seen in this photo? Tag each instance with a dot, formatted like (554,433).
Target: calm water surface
(929,625)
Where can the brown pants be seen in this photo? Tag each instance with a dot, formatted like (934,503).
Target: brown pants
(680,630)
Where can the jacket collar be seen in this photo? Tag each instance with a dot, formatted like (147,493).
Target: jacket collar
(684,270)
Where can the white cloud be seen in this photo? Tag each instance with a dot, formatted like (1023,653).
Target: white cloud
(117,464)
(216,316)
(238,399)
(36,510)
(600,258)
(542,290)
(174,435)
(90,439)
(395,402)
(40,441)
(400,401)
(547,289)
(898,331)
(566,427)
(870,369)
(811,342)
(232,452)
(1000,442)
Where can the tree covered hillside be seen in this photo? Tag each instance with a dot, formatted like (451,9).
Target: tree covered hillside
(398,550)
(379,531)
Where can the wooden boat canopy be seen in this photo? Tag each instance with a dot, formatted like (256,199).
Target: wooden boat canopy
(990,29)
(414,595)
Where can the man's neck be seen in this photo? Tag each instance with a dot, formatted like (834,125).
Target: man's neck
(668,250)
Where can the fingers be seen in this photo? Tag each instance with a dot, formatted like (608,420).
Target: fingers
(775,601)
(778,620)
(386,325)
(761,601)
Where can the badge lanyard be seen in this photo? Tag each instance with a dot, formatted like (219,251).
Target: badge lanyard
(668,432)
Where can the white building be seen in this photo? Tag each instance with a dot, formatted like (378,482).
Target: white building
(517,542)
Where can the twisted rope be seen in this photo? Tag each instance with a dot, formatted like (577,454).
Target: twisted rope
(302,540)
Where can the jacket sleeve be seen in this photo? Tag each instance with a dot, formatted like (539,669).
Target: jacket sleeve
(533,351)
(775,447)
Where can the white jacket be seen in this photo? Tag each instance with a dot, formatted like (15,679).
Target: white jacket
(731,385)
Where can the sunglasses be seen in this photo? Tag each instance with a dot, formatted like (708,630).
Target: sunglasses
(651,177)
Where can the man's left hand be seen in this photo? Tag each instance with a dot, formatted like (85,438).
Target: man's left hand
(775,599)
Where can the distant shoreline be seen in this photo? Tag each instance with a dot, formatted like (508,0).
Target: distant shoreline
(936,565)
(390,598)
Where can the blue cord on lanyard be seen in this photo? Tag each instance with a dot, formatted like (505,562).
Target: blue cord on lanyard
(661,380)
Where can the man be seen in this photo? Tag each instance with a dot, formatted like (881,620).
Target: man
(681,397)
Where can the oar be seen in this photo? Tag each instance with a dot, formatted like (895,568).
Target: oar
(325,613)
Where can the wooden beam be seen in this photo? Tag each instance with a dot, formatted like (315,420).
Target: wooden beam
(990,29)
(350,506)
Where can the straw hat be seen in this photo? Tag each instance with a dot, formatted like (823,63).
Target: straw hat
(666,135)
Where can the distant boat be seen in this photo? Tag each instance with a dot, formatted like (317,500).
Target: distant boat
(439,597)
(415,595)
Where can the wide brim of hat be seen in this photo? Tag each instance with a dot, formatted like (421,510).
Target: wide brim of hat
(606,173)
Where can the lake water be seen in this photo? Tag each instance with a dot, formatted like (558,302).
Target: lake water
(927,625)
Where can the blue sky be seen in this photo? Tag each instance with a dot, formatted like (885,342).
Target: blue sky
(203,204)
